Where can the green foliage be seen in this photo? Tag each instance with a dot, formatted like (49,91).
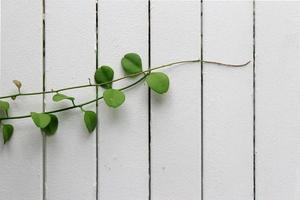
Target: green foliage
(7,131)
(90,120)
(4,106)
(51,128)
(41,120)
(158,82)
(132,63)
(59,97)
(113,98)
(103,75)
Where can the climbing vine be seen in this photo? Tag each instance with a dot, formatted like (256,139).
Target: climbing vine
(103,77)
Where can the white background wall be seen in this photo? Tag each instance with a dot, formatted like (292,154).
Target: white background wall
(196,142)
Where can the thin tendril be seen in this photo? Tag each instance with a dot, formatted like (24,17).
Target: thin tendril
(76,106)
(146,73)
(131,75)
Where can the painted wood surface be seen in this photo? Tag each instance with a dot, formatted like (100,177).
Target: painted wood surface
(151,147)
(176,116)
(123,132)
(70,58)
(227,99)
(21,58)
(278,106)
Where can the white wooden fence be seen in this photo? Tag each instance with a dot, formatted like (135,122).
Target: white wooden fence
(195,143)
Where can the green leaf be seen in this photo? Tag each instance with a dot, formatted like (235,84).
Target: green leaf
(59,97)
(103,75)
(113,98)
(132,63)
(41,120)
(51,128)
(8,131)
(90,120)
(2,115)
(158,82)
(4,106)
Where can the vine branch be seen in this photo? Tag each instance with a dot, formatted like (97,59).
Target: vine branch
(124,77)
(76,106)
(145,72)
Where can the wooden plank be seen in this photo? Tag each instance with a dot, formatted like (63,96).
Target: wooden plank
(278,110)
(176,116)
(21,58)
(228,116)
(70,53)
(123,135)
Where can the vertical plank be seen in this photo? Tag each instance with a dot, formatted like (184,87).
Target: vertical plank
(123,136)
(70,53)
(176,116)
(21,58)
(228,116)
(278,108)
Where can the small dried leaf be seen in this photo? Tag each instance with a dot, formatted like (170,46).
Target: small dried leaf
(17,83)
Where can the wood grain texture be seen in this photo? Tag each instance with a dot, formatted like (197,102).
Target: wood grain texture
(70,53)
(21,58)
(176,116)
(123,135)
(228,125)
(278,107)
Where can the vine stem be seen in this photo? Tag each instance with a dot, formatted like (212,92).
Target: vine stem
(124,77)
(76,106)
(146,73)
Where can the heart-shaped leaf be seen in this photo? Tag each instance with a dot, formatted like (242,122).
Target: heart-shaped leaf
(113,98)
(41,120)
(8,131)
(90,120)
(51,128)
(103,75)
(4,106)
(158,82)
(132,63)
(59,97)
